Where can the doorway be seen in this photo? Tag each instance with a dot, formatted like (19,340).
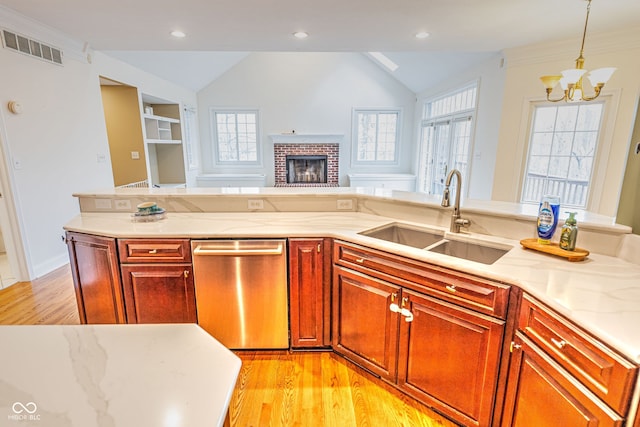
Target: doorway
(121,107)
(9,262)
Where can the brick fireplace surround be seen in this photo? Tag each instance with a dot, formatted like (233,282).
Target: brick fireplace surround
(281,151)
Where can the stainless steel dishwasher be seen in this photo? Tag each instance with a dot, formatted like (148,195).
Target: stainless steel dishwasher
(241,292)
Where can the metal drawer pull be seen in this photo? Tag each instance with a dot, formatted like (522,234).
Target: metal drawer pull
(559,344)
(360,260)
(153,251)
(451,288)
(213,250)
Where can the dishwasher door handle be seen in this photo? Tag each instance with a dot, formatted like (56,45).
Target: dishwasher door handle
(213,250)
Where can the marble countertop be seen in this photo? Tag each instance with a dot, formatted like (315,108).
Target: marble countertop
(114,375)
(602,293)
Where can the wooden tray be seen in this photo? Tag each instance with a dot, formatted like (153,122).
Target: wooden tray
(553,249)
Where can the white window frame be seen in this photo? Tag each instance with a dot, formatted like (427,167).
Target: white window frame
(214,136)
(355,142)
(457,116)
(603,149)
(190,139)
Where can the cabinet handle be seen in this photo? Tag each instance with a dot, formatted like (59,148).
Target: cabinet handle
(186,274)
(318,248)
(560,344)
(360,260)
(408,315)
(153,251)
(394,296)
(514,346)
(405,300)
(451,288)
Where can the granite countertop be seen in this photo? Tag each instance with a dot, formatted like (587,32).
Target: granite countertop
(114,375)
(602,293)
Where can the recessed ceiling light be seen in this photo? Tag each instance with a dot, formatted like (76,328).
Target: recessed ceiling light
(301,34)
(177,33)
(422,35)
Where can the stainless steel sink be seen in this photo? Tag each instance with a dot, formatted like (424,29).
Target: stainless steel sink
(405,235)
(469,251)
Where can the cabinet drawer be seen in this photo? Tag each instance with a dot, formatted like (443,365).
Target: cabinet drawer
(607,374)
(482,295)
(154,250)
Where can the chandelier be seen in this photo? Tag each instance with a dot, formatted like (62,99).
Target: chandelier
(571,80)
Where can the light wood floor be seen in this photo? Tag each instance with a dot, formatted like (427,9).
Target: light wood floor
(273,388)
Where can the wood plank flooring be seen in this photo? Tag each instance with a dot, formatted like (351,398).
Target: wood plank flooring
(273,388)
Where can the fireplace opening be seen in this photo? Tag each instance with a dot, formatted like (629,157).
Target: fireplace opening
(306,169)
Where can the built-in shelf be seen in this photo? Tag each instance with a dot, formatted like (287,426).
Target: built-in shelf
(163,143)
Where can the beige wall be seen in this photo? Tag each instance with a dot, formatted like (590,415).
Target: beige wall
(522,87)
(124,129)
(628,212)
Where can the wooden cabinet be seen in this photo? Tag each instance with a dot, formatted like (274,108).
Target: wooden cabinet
(309,298)
(541,393)
(449,357)
(413,324)
(157,278)
(365,330)
(581,380)
(96,277)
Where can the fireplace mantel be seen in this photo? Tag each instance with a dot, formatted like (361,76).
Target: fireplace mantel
(306,138)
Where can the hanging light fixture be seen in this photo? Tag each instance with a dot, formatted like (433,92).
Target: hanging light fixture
(571,80)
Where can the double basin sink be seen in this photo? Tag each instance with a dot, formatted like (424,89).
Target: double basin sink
(434,241)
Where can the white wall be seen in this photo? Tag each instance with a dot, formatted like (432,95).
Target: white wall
(308,93)
(522,86)
(490,75)
(58,145)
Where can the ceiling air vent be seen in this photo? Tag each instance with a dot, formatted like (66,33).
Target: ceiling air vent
(27,46)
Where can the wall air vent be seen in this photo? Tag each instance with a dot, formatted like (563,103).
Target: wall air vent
(27,46)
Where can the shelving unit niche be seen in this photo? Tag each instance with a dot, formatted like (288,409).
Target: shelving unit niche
(163,142)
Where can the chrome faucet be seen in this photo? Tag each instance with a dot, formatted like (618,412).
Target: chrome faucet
(456,220)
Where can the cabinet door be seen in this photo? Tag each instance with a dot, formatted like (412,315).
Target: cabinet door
(306,299)
(365,330)
(96,277)
(449,358)
(541,393)
(159,293)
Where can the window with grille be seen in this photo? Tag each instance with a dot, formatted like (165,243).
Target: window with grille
(376,136)
(190,139)
(446,138)
(236,136)
(562,152)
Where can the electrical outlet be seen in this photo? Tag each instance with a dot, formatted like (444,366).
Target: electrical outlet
(103,203)
(344,204)
(135,155)
(123,205)
(254,204)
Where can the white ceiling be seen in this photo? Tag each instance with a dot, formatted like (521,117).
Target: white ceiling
(219,33)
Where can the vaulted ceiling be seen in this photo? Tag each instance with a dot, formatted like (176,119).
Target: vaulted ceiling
(219,33)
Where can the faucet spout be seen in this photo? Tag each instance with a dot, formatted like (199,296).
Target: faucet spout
(456,220)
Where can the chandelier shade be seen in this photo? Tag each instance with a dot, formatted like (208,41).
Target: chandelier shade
(571,80)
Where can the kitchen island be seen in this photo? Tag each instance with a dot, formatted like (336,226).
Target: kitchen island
(600,295)
(114,375)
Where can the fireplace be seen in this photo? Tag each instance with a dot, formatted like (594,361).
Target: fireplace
(306,169)
(306,164)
